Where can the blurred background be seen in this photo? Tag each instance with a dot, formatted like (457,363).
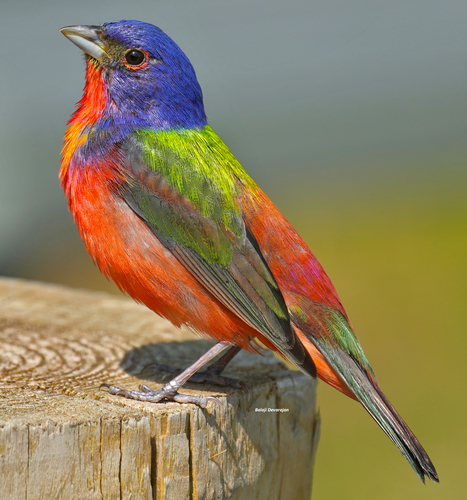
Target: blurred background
(351,115)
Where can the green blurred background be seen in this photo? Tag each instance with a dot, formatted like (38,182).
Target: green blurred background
(352,116)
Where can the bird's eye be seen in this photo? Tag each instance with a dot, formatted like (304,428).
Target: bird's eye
(135,58)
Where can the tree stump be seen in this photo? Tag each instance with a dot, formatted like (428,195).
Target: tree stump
(63,438)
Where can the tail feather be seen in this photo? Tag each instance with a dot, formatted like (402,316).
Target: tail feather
(417,455)
(366,389)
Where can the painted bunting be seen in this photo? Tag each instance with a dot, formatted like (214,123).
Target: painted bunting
(169,214)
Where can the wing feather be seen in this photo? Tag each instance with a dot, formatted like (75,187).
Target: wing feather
(227,261)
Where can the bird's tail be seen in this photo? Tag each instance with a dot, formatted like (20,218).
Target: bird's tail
(361,384)
(379,407)
(398,431)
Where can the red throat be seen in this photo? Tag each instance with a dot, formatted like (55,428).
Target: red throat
(90,108)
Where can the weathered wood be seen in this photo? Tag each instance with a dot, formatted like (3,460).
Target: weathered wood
(63,438)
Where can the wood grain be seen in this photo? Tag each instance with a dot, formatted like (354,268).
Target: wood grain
(61,437)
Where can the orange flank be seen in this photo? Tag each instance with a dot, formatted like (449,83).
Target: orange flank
(126,250)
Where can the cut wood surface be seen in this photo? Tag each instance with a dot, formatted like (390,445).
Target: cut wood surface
(63,438)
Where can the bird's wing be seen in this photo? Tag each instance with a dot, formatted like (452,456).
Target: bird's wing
(181,188)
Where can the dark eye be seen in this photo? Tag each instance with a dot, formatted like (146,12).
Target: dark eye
(135,58)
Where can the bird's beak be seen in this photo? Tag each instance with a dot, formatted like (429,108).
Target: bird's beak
(88,39)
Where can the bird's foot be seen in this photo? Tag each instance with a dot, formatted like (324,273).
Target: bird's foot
(211,375)
(169,392)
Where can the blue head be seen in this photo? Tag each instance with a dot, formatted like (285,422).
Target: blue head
(148,79)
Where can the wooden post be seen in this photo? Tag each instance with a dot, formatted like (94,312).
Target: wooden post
(63,438)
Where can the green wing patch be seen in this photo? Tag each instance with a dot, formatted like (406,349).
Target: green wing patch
(200,167)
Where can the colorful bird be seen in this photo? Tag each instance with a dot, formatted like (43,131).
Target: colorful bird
(169,214)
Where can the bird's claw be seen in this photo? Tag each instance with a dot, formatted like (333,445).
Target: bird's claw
(166,393)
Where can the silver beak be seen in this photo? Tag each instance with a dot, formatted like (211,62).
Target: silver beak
(87,38)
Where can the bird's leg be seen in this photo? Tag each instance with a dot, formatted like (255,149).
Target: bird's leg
(169,391)
(212,374)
